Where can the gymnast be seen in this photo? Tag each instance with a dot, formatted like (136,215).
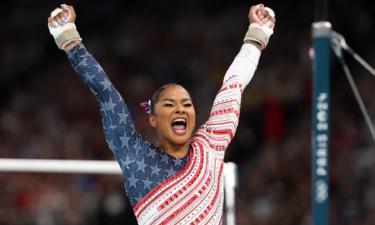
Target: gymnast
(180,180)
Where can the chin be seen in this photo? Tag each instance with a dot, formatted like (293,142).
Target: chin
(180,139)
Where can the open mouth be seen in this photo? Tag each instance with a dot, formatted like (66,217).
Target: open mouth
(179,126)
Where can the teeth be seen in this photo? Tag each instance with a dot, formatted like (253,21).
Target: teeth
(179,120)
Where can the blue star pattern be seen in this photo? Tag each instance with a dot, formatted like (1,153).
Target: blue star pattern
(139,198)
(110,127)
(141,165)
(87,77)
(152,153)
(106,84)
(177,162)
(137,146)
(132,181)
(155,170)
(144,166)
(100,69)
(125,141)
(111,105)
(123,116)
(165,159)
(127,162)
(111,146)
(147,184)
(171,172)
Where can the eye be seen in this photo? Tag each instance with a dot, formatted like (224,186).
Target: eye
(168,104)
(188,104)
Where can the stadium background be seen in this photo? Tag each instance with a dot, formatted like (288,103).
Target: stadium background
(46,112)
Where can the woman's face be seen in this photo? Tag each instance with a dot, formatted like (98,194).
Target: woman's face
(174,116)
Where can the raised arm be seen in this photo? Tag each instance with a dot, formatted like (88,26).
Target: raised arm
(119,130)
(222,124)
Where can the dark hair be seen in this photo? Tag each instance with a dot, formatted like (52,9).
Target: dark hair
(157,94)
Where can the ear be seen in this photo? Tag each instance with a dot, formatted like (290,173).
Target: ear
(152,120)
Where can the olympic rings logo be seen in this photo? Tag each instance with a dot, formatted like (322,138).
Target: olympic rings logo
(321,191)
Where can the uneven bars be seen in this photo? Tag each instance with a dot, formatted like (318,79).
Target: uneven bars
(60,166)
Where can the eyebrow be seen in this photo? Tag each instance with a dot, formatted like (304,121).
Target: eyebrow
(172,100)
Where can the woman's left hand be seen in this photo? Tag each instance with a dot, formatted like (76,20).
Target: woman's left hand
(258,14)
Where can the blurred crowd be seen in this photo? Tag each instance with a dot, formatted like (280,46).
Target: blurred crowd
(48,113)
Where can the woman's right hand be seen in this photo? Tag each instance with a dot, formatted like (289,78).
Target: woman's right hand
(67,15)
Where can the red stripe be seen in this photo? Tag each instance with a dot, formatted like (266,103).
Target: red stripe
(192,182)
(223,89)
(214,199)
(216,194)
(179,210)
(209,174)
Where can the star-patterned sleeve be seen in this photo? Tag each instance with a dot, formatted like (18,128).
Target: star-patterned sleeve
(223,121)
(121,136)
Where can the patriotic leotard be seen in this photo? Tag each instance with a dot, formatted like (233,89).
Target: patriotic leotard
(161,188)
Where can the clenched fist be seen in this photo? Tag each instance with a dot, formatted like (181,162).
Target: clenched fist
(262,21)
(61,26)
(261,15)
(62,16)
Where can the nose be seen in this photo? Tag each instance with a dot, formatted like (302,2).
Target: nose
(180,110)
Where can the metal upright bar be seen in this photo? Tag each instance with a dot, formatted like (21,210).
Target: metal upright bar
(321,32)
(230,180)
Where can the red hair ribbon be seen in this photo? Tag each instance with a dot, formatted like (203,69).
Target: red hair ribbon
(147,106)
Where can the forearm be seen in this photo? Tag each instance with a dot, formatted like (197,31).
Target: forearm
(118,125)
(245,64)
(256,44)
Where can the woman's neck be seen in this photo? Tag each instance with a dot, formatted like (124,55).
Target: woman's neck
(176,150)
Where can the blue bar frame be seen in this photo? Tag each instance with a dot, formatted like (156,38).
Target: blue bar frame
(320,124)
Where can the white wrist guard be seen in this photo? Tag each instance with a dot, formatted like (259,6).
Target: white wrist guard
(261,34)
(63,35)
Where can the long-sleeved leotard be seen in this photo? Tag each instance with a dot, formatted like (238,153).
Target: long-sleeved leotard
(161,188)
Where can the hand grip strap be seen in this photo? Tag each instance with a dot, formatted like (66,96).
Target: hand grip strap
(64,35)
(261,34)
(67,37)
